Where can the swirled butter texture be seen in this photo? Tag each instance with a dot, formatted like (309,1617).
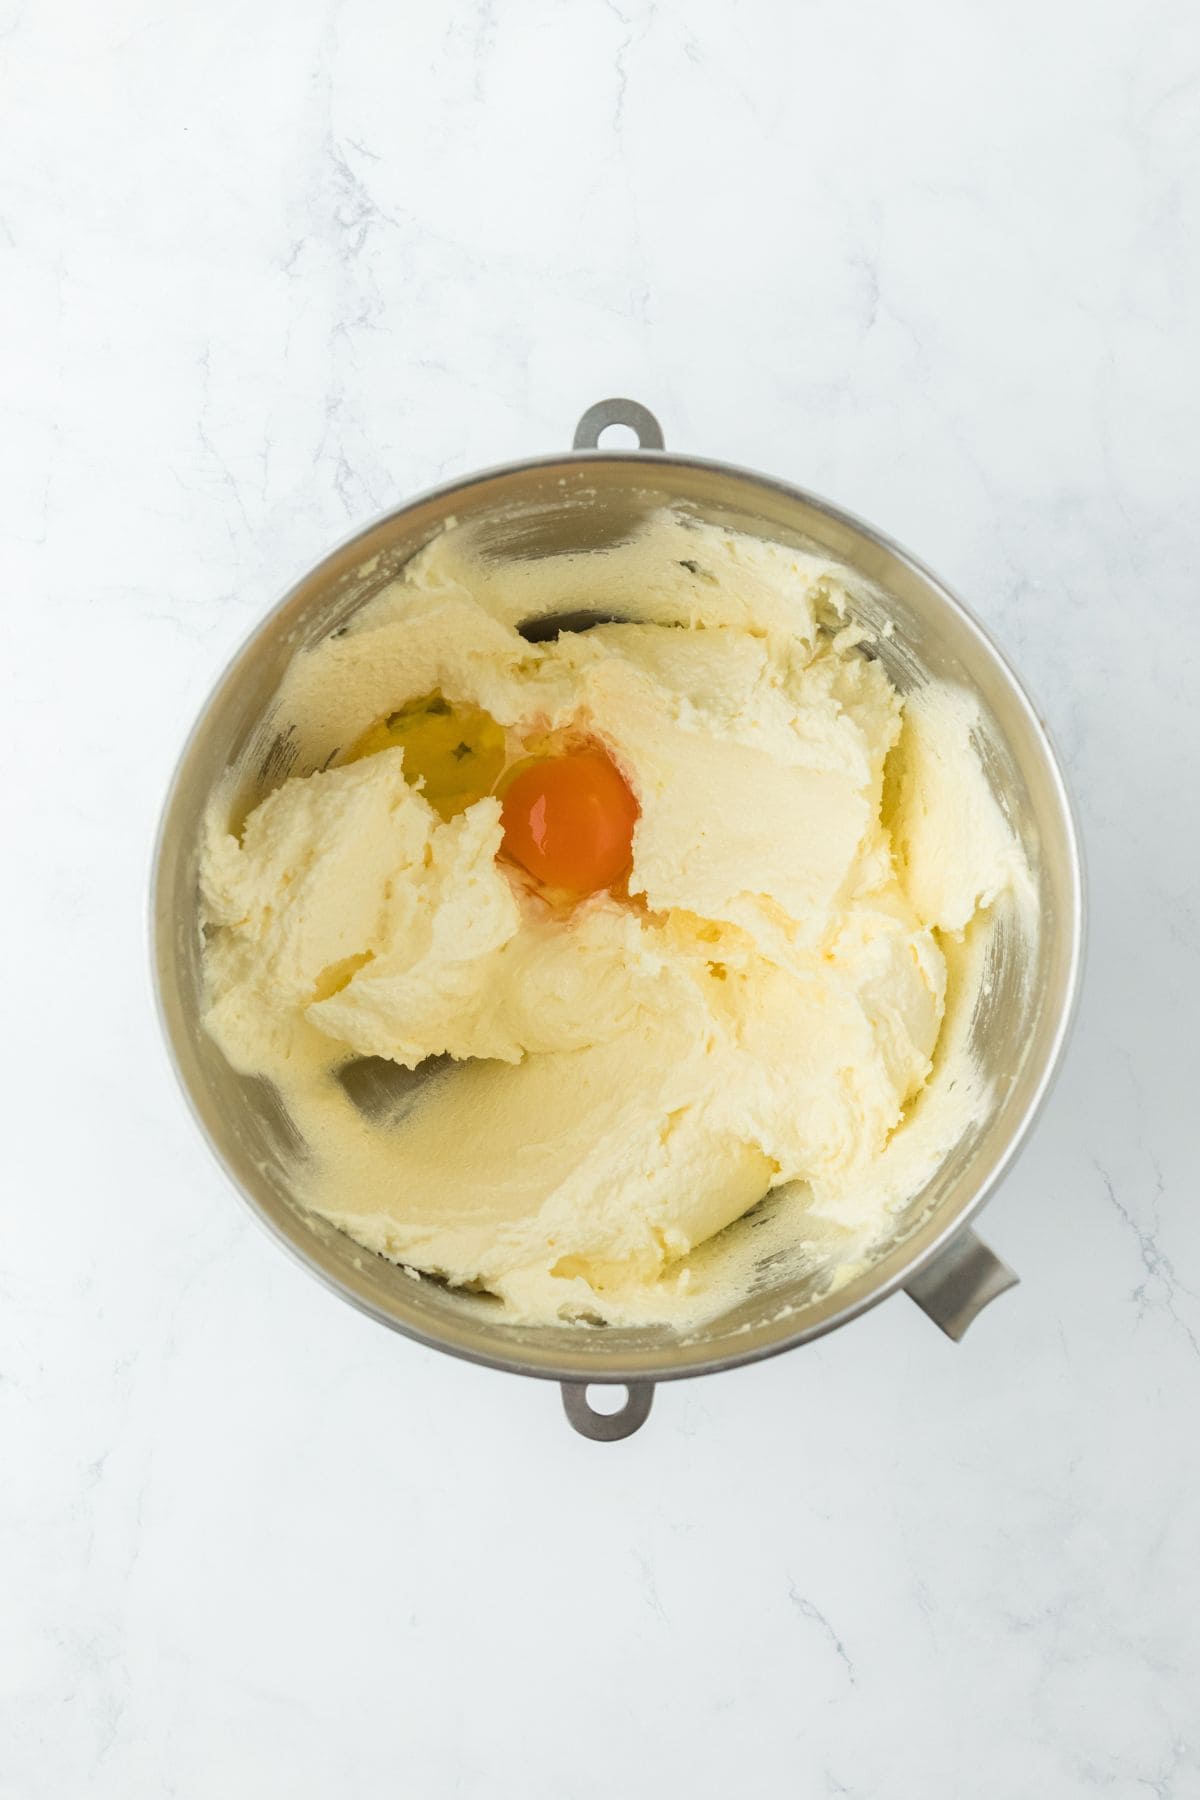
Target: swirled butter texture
(602,1085)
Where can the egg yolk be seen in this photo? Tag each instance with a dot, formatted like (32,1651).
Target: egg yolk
(569,821)
(455,751)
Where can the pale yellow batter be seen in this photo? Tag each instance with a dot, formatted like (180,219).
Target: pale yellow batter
(636,1070)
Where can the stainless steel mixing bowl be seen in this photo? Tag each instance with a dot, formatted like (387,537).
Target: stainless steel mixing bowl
(585,500)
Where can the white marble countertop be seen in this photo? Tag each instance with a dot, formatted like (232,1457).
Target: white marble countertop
(266,269)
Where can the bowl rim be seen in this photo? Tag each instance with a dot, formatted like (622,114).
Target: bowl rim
(908,1258)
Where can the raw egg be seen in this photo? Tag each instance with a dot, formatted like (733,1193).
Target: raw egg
(455,751)
(569,821)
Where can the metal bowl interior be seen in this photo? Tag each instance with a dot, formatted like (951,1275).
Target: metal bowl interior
(569,503)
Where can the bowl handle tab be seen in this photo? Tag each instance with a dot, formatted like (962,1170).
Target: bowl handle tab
(607,1427)
(956,1286)
(598,418)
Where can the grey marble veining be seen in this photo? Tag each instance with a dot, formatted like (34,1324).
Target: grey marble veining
(263,271)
